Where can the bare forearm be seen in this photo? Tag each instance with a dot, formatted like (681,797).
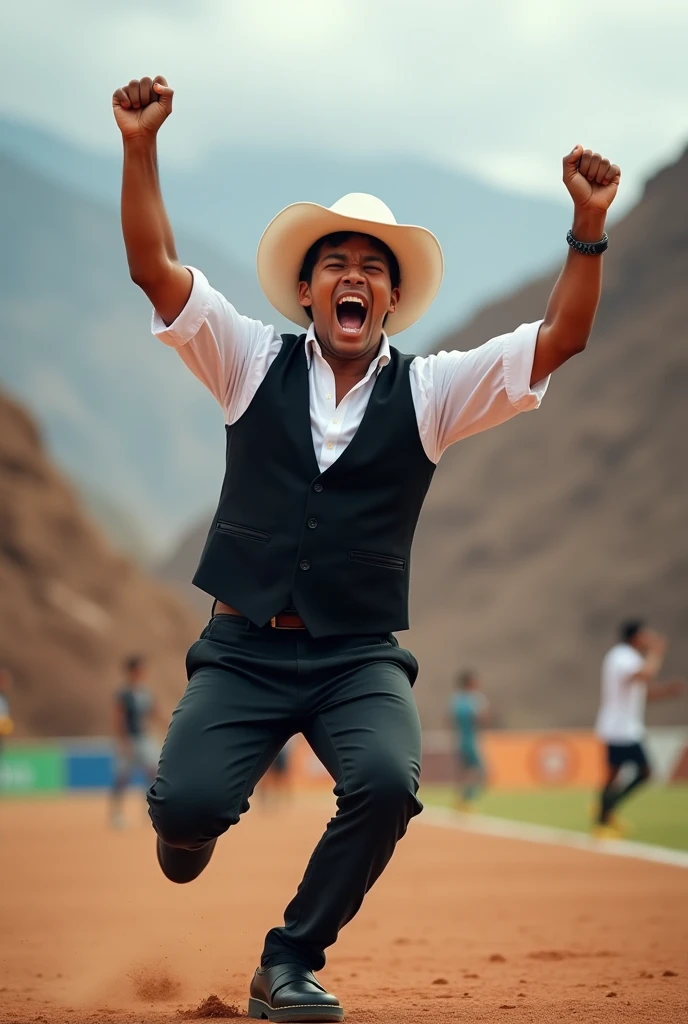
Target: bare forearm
(654,660)
(573,303)
(574,300)
(664,690)
(148,237)
(170,247)
(140,108)
(592,182)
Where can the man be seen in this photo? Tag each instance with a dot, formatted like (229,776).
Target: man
(133,711)
(629,679)
(469,711)
(332,441)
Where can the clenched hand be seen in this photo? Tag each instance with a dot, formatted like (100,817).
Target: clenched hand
(141,107)
(591,179)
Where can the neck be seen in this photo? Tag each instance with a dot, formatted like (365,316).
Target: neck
(349,370)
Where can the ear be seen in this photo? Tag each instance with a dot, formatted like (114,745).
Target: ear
(394,300)
(305,294)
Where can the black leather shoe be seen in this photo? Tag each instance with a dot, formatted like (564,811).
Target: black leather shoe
(289,992)
(183,865)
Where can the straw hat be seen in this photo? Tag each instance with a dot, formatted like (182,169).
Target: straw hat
(288,237)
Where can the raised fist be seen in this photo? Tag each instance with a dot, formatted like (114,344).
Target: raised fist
(142,106)
(591,179)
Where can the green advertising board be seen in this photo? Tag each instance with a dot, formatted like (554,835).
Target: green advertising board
(31,769)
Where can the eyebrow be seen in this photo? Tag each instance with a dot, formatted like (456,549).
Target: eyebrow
(342,256)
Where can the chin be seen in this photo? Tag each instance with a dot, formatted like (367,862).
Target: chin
(350,343)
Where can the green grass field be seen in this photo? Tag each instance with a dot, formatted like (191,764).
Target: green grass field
(658,814)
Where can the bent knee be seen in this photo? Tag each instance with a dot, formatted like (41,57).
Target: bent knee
(390,791)
(185,821)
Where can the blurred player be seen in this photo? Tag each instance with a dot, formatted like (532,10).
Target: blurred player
(469,711)
(135,749)
(629,679)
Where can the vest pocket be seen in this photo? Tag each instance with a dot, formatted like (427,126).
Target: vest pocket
(247,532)
(373,558)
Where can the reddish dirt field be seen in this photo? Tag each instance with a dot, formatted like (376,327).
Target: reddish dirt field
(460,928)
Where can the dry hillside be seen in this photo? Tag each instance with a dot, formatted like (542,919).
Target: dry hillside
(70,607)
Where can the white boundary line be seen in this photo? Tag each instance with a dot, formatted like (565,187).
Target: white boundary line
(506,829)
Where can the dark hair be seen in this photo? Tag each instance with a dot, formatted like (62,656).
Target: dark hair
(338,238)
(629,630)
(133,662)
(465,678)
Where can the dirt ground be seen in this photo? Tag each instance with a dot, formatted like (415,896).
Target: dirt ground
(460,928)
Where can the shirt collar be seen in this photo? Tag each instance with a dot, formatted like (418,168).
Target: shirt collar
(383,356)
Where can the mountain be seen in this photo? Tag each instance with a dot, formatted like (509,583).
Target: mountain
(71,608)
(538,537)
(119,409)
(492,239)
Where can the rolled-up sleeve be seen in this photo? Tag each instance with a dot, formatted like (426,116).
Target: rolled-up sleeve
(457,394)
(518,357)
(191,318)
(229,353)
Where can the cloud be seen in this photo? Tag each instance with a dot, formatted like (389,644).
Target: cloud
(500,88)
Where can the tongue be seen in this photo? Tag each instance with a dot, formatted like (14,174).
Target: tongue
(350,315)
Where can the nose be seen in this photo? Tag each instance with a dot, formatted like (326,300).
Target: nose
(354,275)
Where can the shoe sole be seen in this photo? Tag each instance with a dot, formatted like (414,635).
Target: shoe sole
(310,1013)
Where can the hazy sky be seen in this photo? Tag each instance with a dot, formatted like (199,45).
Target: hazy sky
(498,87)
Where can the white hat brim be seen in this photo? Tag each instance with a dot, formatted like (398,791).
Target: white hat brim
(290,234)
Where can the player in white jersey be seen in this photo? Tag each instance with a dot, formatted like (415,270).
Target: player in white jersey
(629,680)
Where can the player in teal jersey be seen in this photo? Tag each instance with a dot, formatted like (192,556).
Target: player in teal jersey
(469,711)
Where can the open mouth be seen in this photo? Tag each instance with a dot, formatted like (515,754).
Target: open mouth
(352,311)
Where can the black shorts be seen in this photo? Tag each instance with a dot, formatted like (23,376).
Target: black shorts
(619,754)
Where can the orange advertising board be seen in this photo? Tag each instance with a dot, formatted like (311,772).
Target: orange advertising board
(514,760)
(523,760)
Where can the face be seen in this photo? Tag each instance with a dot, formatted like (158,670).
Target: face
(350,293)
(137,674)
(642,640)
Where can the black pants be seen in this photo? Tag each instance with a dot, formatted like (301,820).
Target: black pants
(251,689)
(618,756)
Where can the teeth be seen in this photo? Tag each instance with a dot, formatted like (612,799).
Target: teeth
(351,298)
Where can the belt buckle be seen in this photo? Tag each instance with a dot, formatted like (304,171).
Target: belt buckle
(273,623)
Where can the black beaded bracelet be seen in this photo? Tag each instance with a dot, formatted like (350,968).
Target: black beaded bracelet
(588,248)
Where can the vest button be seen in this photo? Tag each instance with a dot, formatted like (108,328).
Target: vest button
(305,564)
(312,523)
(317,487)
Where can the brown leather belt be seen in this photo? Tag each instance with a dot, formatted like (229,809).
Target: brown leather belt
(285,620)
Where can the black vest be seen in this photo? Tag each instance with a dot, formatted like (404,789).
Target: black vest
(335,545)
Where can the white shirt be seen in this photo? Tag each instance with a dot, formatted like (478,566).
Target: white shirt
(455,394)
(621,718)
